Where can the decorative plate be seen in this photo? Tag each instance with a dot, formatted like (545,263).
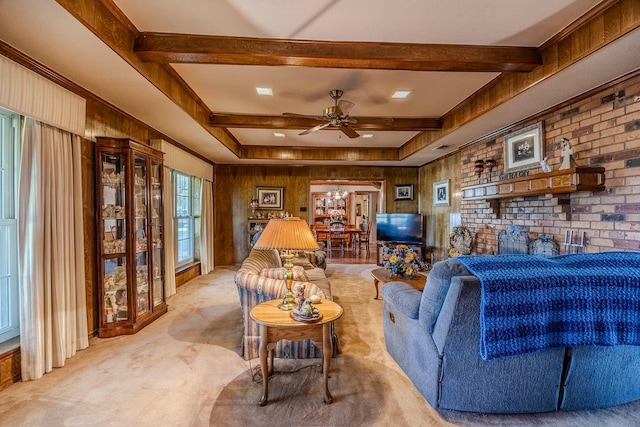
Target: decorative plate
(459,242)
(305,319)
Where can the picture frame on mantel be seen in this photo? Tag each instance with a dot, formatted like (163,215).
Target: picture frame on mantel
(441,193)
(403,192)
(270,197)
(524,149)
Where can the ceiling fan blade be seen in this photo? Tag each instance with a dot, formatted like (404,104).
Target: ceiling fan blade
(345,106)
(315,128)
(344,127)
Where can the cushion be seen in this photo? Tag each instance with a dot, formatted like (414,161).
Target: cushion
(279,273)
(302,261)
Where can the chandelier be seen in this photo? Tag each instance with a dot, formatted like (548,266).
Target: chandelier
(337,194)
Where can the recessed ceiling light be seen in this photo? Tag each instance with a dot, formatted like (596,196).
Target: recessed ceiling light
(264,91)
(367,135)
(401,94)
(278,134)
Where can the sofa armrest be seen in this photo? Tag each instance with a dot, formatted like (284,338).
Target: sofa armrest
(404,297)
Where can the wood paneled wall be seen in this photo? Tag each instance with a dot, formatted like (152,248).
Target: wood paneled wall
(235,185)
(437,217)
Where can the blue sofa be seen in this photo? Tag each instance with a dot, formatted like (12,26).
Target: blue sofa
(435,335)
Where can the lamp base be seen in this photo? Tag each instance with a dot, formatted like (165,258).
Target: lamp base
(289,301)
(288,305)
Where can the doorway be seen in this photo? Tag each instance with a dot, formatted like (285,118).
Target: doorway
(364,200)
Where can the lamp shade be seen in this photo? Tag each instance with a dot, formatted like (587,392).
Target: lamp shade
(287,233)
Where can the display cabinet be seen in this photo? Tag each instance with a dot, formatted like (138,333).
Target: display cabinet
(131,240)
(325,207)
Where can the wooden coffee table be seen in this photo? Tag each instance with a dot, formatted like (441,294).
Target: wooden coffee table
(382,275)
(276,325)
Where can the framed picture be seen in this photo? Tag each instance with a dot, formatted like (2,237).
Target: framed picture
(269,197)
(524,149)
(441,193)
(403,192)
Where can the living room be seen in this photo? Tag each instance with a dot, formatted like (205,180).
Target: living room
(602,126)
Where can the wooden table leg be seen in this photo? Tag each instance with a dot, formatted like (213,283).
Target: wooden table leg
(326,360)
(375,282)
(263,365)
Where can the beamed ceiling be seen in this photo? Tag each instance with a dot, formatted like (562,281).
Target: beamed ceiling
(190,69)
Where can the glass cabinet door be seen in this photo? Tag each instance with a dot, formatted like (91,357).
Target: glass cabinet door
(156,234)
(114,241)
(140,202)
(115,290)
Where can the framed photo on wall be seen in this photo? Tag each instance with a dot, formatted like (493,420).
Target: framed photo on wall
(441,193)
(524,149)
(403,192)
(269,197)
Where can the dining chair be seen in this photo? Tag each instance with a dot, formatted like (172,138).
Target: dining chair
(337,236)
(363,237)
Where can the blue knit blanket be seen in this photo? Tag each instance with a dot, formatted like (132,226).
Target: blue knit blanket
(530,303)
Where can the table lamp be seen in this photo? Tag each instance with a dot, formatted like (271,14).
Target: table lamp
(287,234)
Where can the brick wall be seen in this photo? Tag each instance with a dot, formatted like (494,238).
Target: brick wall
(604,130)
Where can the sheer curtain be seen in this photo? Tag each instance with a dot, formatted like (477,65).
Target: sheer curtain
(206,228)
(169,240)
(53,312)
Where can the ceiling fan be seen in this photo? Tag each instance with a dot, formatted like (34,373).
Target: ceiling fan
(336,115)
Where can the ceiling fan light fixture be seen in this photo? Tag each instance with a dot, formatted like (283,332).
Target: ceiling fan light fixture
(401,94)
(265,91)
(367,135)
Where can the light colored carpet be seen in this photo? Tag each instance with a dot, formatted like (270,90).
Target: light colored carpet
(184,370)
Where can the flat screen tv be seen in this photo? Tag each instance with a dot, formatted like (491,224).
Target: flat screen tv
(400,228)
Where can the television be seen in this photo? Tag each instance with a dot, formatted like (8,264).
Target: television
(400,228)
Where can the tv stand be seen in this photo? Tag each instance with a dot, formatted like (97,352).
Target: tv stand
(420,248)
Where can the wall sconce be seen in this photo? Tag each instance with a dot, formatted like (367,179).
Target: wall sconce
(479,167)
(490,164)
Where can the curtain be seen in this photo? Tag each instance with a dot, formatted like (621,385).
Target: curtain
(53,312)
(206,228)
(169,240)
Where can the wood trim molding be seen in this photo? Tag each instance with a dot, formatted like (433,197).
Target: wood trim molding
(100,20)
(249,121)
(605,23)
(604,27)
(29,63)
(206,49)
(260,152)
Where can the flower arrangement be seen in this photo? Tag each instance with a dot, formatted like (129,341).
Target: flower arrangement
(401,261)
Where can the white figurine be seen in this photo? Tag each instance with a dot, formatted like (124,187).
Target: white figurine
(545,166)
(567,155)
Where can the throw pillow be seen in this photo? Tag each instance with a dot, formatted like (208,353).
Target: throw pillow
(302,261)
(279,273)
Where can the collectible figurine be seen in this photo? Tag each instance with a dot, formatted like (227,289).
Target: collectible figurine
(545,166)
(567,155)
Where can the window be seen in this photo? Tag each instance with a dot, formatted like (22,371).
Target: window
(9,137)
(186,208)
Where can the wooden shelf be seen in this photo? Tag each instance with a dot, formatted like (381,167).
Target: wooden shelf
(252,229)
(561,181)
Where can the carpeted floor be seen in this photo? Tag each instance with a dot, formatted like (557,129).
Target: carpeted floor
(184,370)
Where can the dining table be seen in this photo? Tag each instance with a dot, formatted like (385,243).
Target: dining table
(351,231)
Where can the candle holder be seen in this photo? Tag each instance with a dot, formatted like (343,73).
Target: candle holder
(254,205)
(490,164)
(479,167)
